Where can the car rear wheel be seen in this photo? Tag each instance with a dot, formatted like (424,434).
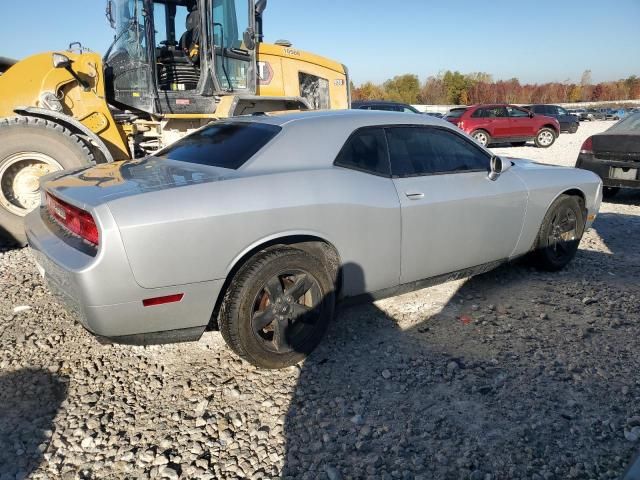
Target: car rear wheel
(482,137)
(30,148)
(277,308)
(545,138)
(560,234)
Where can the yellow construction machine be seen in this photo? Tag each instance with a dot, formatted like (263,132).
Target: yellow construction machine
(173,66)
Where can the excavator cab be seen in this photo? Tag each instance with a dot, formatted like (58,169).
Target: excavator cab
(176,56)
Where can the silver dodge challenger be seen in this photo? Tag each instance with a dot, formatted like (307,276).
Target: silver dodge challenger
(259,225)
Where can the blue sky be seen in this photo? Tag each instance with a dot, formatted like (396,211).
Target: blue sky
(545,40)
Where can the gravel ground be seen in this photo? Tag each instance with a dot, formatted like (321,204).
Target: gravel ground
(512,374)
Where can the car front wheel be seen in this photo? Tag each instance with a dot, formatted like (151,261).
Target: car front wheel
(545,138)
(560,234)
(573,128)
(277,308)
(482,137)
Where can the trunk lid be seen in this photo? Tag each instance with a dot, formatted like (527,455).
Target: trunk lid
(91,186)
(619,147)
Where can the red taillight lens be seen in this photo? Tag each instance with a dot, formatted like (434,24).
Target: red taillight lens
(74,219)
(587,146)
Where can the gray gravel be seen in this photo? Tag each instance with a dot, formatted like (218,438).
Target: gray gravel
(513,374)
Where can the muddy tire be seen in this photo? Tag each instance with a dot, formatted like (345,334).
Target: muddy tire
(560,234)
(545,137)
(277,308)
(30,148)
(482,137)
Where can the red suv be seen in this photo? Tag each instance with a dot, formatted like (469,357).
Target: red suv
(503,123)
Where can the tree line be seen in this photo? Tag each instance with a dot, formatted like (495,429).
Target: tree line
(455,88)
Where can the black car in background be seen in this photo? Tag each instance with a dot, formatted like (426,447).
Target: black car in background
(568,123)
(614,155)
(383,105)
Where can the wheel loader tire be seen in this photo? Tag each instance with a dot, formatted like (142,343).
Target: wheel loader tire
(29,148)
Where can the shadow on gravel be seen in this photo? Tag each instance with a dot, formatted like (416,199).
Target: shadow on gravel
(29,401)
(500,384)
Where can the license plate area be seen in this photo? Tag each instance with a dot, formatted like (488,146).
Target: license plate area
(623,173)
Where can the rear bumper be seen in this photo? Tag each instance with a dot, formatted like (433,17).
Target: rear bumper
(101,293)
(603,169)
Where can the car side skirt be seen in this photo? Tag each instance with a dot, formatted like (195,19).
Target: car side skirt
(424,283)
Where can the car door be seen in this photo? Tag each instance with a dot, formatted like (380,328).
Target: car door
(453,216)
(520,121)
(500,122)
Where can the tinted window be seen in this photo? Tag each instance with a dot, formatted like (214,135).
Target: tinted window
(424,151)
(516,112)
(365,150)
(221,144)
(630,123)
(490,112)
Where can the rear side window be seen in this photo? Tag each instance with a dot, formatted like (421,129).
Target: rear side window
(365,150)
(417,151)
(490,112)
(221,144)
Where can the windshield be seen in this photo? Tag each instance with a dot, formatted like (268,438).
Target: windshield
(129,25)
(630,124)
(221,144)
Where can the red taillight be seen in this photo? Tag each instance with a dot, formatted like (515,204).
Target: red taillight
(587,146)
(150,302)
(73,219)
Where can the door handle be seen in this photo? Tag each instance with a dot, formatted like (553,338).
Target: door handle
(414,195)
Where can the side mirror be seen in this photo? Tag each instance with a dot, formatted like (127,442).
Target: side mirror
(61,61)
(497,166)
(248,38)
(531,114)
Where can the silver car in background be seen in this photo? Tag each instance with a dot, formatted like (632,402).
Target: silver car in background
(259,224)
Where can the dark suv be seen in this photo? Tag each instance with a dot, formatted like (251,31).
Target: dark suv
(501,123)
(383,105)
(568,122)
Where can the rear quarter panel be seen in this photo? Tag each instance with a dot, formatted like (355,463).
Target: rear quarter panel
(197,233)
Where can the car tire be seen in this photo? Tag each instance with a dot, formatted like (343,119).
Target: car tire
(610,192)
(560,234)
(31,147)
(573,128)
(518,144)
(545,138)
(482,137)
(259,319)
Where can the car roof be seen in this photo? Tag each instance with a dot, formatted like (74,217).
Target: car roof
(357,118)
(312,139)
(377,102)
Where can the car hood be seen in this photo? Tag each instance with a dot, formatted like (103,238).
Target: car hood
(91,186)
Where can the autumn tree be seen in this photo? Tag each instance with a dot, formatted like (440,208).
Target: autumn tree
(402,88)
